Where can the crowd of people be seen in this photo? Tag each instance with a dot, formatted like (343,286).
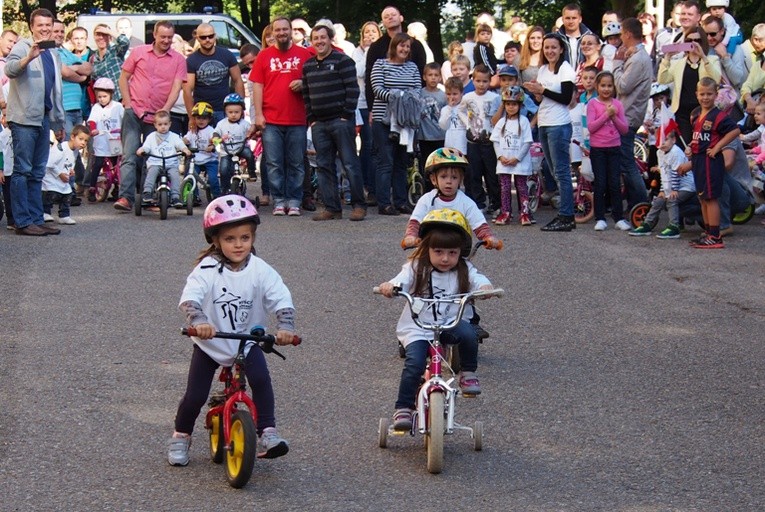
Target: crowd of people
(355,115)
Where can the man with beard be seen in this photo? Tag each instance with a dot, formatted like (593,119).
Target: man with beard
(280,114)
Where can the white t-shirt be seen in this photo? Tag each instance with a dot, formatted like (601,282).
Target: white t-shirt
(442,284)
(233,134)
(509,136)
(668,164)
(454,121)
(552,113)
(60,160)
(461,202)
(107,118)
(480,109)
(6,146)
(234,301)
(201,139)
(160,144)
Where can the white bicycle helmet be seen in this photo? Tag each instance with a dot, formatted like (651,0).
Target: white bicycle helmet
(612,28)
(657,88)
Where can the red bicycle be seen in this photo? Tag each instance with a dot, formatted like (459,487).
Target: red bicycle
(109,180)
(232,431)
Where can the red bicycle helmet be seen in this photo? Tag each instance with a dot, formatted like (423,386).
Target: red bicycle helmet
(230,209)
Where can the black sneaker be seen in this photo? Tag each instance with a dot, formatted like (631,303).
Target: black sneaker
(560,223)
(481,332)
(76,201)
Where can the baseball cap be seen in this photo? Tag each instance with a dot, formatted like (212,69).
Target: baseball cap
(508,70)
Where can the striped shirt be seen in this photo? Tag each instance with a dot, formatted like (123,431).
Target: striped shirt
(386,77)
(330,89)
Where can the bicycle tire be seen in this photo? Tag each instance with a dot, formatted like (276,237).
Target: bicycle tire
(744,216)
(240,459)
(534,193)
(435,444)
(217,443)
(164,203)
(584,208)
(638,214)
(416,190)
(382,432)
(478,436)
(103,187)
(187,196)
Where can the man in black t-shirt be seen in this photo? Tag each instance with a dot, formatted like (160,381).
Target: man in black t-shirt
(211,70)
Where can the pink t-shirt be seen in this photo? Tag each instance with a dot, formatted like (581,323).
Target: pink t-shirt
(275,70)
(152,77)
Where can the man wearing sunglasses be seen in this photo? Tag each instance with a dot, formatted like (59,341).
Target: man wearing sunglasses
(733,64)
(211,72)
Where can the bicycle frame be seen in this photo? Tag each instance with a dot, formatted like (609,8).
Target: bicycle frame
(236,175)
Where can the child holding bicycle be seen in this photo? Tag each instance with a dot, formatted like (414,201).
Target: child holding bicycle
(231,290)
(164,143)
(437,268)
(105,124)
(233,133)
(200,136)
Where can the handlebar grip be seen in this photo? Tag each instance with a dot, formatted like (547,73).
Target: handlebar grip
(296,340)
(189,331)
(376,290)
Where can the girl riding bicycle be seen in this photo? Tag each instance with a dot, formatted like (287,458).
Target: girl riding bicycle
(437,268)
(232,290)
(105,124)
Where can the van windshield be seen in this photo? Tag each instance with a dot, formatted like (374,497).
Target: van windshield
(228,35)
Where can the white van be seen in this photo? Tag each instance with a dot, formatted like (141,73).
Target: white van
(231,33)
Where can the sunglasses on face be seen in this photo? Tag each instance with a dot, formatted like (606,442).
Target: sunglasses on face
(693,40)
(206,37)
(712,34)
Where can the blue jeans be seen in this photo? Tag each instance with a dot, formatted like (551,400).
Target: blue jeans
(417,351)
(734,199)
(605,166)
(211,168)
(63,201)
(633,182)
(283,150)
(71,118)
(337,137)
(365,153)
(391,159)
(226,166)
(555,145)
(30,154)
(133,132)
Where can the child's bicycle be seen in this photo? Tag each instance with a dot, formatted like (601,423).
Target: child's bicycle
(232,431)
(415,182)
(194,181)
(239,174)
(161,198)
(109,180)
(436,407)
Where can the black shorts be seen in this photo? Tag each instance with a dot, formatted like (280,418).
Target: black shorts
(708,175)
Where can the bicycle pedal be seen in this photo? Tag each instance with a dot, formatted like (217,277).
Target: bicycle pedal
(469,395)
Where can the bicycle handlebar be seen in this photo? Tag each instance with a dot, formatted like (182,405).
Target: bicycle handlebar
(258,335)
(417,304)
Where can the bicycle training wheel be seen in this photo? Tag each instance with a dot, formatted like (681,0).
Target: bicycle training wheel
(382,432)
(164,203)
(187,196)
(584,210)
(416,189)
(435,432)
(534,192)
(216,439)
(240,459)
(478,436)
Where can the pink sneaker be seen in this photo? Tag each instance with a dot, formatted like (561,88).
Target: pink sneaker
(279,211)
(525,221)
(503,218)
(294,212)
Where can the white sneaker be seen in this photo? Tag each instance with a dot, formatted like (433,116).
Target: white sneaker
(623,225)
(601,225)
(178,451)
(760,210)
(66,220)
(271,445)
(47,217)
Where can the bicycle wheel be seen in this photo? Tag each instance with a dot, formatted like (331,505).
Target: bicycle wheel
(640,149)
(743,217)
(187,196)
(435,432)
(164,203)
(478,436)
(217,442)
(240,459)
(583,207)
(638,213)
(103,187)
(534,192)
(382,432)
(239,187)
(416,189)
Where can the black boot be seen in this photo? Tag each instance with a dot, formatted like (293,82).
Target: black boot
(560,223)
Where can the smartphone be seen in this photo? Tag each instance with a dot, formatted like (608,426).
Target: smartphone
(46,45)
(677,47)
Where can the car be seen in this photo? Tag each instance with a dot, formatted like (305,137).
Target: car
(231,33)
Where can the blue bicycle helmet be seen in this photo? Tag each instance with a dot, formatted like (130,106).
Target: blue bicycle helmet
(233,99)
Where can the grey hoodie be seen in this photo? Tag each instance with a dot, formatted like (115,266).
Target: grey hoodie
(26,102)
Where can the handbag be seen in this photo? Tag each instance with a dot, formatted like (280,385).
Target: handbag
(727,99)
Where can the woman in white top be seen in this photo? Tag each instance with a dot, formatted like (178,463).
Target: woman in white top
(554,87)
(370,32)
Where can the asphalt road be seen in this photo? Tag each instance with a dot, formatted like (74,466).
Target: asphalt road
(621,375)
